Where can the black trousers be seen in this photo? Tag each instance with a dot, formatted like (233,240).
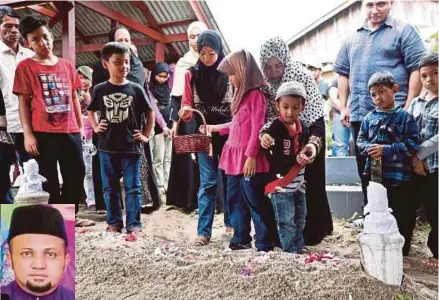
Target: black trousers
(65,149)
(426,190)
(6,158)
(361,161)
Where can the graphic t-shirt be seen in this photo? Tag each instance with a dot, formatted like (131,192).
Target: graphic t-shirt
(51,89)
(124,108)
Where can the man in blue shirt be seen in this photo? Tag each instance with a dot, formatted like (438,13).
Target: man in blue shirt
(382,43)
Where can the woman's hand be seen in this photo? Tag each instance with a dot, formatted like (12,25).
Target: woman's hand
(376,151)
(266,141)
(310,151)
(210,129)
(250,167)
(31,144)
(302,159)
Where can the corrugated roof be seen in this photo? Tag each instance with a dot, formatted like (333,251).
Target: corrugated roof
(91,23)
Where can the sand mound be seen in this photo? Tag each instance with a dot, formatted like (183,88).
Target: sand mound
(163,265)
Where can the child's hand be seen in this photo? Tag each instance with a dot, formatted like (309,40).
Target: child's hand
(375,150)
(279,189)
(302,159)
(210,129)
(266,141)
(31,144)
(138,136)
(250,167)
(102,127)
(184,112)
(421,168)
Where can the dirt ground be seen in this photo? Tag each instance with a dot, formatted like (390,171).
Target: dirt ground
(162,264)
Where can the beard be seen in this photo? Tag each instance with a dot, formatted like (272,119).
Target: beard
(37,288)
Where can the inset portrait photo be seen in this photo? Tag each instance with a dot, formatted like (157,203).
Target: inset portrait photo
(37,252)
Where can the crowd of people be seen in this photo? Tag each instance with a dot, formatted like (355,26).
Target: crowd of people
(267,127)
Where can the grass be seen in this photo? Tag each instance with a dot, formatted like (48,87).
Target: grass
(403,296)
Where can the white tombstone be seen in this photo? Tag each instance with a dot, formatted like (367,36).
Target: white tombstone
(380,242)
(31,185)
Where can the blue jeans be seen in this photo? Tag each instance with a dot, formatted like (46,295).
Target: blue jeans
(340,136)
(208,167)
(112,165)
(290,213)
(246,201)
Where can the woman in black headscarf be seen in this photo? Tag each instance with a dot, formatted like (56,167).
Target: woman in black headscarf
(208,90)
(100,74)
(161,144)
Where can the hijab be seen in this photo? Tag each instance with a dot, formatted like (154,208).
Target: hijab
(187,61)
(244,67)
(294,71)
(161,92)
(210,83)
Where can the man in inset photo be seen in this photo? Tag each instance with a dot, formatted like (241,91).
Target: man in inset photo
(38,254)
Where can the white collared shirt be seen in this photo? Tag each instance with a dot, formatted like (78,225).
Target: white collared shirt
(9,61)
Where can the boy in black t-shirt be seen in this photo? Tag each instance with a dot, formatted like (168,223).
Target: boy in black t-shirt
(124,111)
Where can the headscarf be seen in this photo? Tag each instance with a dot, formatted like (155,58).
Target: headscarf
(210,83)
(294,71)
(244,67)
(187,61)
(161,92)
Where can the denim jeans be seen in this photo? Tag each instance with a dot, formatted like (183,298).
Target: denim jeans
(161,148)
(290,213)
(208,167)
(246,201)
(340,136)
(112,165)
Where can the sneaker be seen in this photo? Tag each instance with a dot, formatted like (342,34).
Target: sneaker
(112,228)
(246,246)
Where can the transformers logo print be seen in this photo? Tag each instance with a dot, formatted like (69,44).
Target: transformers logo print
(56,92)
(117,107)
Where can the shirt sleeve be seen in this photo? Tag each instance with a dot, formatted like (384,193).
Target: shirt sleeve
(363,137)
(22,80)
(412,47)
(144,102)
(93,106)
(342,65)
(188,95)
(429,147)
(259,107)
(409,143)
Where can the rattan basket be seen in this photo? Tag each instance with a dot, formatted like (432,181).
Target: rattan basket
(192,143)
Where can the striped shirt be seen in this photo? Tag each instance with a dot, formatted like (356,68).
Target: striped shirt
(398,132)
(426,115)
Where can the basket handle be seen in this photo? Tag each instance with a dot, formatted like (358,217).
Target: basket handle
(193,110)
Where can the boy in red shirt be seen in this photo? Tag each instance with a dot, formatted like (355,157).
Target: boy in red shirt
(50,113)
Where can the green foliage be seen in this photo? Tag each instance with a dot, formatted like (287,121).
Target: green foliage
(403,296)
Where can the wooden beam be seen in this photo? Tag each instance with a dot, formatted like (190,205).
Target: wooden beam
(68,35)
(198,11)
(98,46)
(19,3)
(172,38)
(42,10)
(148,15)
(177,23)
(105,11)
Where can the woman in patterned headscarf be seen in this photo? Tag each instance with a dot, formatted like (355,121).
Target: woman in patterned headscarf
(278,68)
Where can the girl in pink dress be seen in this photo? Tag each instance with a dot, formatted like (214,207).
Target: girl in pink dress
(242,158)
